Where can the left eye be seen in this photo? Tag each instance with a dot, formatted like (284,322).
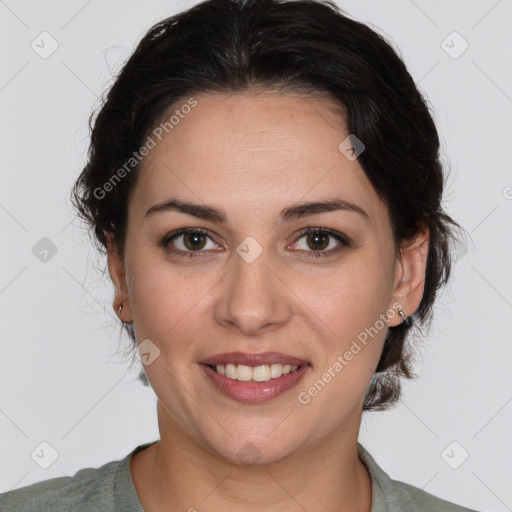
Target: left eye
(320,242)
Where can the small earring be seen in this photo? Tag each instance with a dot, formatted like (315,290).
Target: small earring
(120,308)
(405,320)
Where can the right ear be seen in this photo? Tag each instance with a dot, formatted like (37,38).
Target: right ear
(118,276)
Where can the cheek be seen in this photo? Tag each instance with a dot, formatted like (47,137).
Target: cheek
(352,306)
(168,302)
(347,299)
(352,309)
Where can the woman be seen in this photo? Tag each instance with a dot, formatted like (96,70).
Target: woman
(264,179)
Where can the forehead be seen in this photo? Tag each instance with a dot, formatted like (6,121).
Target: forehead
(246,151)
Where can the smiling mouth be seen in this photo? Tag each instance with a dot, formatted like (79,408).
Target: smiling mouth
(260,373)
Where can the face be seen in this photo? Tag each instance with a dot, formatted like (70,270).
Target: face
(251,281)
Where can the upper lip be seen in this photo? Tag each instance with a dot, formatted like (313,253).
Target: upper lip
(253,359)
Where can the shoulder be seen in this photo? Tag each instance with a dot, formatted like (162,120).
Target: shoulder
(86,489)
(103,489)
(393,496)
(419,500)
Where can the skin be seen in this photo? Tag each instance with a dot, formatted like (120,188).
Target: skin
(252,155)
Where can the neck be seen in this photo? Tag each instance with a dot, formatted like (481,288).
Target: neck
(178,473)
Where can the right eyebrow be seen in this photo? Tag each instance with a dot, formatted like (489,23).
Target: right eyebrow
(197,210)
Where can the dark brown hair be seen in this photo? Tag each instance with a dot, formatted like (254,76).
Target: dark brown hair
(311,46)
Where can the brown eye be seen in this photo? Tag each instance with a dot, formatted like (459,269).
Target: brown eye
(189,242)
(318,240)
(194,241)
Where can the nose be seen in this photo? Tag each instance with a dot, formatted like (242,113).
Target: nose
(253,298)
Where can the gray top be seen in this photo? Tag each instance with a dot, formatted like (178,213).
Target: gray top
(110,488)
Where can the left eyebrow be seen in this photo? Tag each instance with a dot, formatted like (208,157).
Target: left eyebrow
(311,208)
(289,213)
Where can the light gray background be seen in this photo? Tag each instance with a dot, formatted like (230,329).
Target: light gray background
(61,380)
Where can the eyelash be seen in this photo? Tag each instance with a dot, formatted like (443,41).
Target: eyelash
(165,241)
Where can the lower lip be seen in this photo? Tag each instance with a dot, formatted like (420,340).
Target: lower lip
(252,392)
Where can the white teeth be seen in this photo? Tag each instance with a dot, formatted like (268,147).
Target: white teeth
(276,370)
(230,371)
(261,373)
(243,373)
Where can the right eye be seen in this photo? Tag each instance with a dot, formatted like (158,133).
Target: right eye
(190,241)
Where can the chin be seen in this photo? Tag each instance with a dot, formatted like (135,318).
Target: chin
(258,446)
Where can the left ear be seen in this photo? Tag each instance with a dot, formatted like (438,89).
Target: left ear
(409,282)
